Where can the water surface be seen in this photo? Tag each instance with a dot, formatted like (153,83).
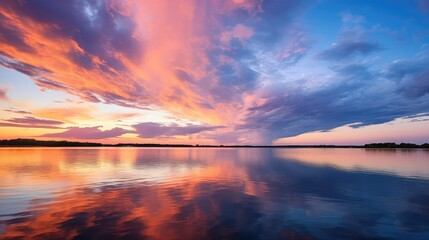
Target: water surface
(196,193)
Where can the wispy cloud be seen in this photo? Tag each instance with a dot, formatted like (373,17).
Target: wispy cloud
(17,111)
(3,96)
(151,129)
(87,133)
(70,114)
(353,40)
(31,122)
(410,75)
(346,49)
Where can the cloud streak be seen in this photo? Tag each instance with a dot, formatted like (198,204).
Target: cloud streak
(144,130)
(31,122)
(3,96)
(87,133)
(344,50)
(17,111)
(151,129)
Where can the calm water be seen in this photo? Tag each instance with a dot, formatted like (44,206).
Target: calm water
(158,193)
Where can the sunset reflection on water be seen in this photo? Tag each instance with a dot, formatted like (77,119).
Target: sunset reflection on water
(197,193)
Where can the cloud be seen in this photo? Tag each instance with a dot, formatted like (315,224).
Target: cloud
(121,116)
(87,133)
(17,111)
(353,40)
(3,95)
(344,50)
(151,129)
(221,63)
(69,114)
(410,75)
(74,112)
(144,130)
(356,95)
(68,46)
(275,20)
(31,122)
(103,51)
(416,86)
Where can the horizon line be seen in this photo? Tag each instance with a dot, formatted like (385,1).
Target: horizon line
(28,142)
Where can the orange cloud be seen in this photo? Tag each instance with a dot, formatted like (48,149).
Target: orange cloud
(70,114)
(138,56)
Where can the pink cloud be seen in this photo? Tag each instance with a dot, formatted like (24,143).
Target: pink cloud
(150,129)
(17,111)
(87,133)
(120,55)
(3,96)
(31,122)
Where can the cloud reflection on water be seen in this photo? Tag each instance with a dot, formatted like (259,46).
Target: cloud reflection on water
(131,193)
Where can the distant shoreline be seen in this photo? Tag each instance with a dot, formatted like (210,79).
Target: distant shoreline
(22,142)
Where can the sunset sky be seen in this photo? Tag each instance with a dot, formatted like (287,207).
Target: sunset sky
(215,72)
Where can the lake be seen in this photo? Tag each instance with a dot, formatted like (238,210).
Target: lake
(213,193)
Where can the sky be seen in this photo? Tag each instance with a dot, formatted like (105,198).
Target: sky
(215,72)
